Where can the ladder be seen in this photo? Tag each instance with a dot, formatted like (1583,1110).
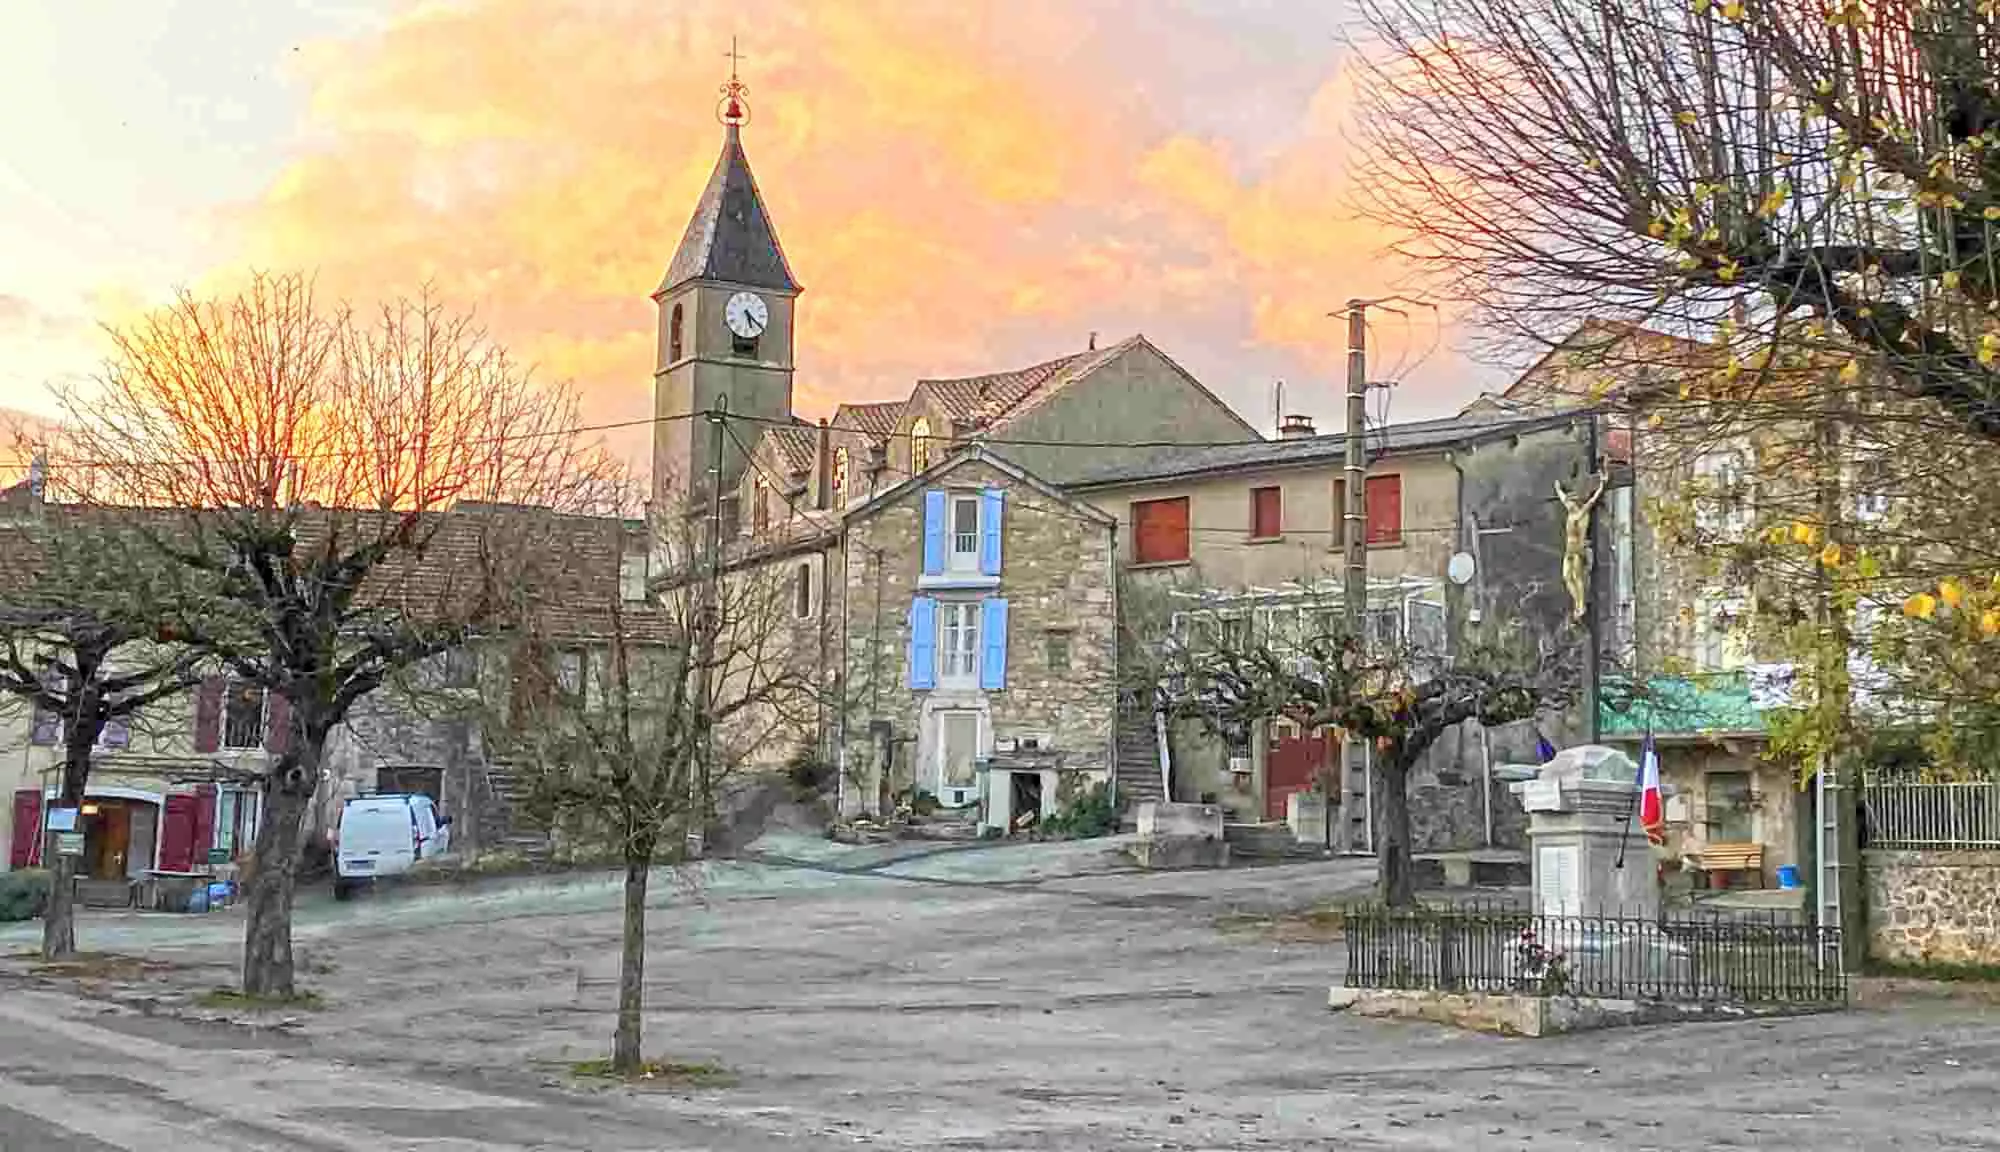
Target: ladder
(1830,867)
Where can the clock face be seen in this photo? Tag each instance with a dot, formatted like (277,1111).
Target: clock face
(747,314)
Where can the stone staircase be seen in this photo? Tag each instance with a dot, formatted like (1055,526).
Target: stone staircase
(1138,762)
(1268,840)
(503,825)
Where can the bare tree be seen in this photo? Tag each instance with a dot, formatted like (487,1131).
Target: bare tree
(1818,179)
(626,711)
(315,459)
(86,641)
(1398,698)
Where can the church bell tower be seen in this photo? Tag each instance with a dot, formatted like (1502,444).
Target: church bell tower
(725,324)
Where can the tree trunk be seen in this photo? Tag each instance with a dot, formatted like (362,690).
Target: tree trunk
(59,918)
(267,935)
(627,1045)
(1394,883)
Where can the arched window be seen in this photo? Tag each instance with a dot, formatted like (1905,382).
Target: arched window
(760,508)
(920,445)
(839,472)
(674,336)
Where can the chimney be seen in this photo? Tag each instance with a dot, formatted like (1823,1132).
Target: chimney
(1093,341)
(822,477)
(1296,427)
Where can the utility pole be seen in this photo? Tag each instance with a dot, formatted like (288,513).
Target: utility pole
(705,622)
(1356,823)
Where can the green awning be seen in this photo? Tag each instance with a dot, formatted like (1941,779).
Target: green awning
(1715,703)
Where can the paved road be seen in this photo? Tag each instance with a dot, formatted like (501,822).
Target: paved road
(923,1005)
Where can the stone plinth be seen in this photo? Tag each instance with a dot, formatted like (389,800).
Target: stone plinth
(1588,852)
(1306,813)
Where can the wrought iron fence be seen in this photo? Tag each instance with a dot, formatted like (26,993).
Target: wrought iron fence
(1943,815)
(1756,959)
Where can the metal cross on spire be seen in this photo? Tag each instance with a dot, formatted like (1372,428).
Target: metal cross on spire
(734,110)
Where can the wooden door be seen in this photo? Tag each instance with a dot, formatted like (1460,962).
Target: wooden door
(1293,761)
(26,850)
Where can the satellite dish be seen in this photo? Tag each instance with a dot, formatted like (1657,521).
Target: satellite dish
(1460,568)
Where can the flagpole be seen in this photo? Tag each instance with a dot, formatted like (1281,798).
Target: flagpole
(1638,790)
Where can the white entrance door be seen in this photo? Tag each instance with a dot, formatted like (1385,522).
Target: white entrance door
(958,747)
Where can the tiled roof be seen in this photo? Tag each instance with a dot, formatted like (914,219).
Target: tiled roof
(795,446)
(982,401)
(876,421)
(563,570)
(731,237)
(1415,436)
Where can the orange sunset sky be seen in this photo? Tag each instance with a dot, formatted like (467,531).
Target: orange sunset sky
(961,185)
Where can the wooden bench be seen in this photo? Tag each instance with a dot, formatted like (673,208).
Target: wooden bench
(1727,858)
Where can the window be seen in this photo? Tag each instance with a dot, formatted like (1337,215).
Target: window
(1385,628)
(1723,492)
(1160,531)
(963,555)
(760,506)
(243,716)
(920,445)
(1383,496)
(802,591)
(1267,516)
(959,653)
(1871,490)
(1058,652)
(1730,808)
(632,577)
(839,472)
(458,668)
(569,672)
(743,346)
(674,336)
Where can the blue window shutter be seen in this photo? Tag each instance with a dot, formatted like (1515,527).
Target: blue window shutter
(934,530)
(923,643)
(991,501)
(993,644)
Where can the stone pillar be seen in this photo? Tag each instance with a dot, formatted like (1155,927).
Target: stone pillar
(1589,853)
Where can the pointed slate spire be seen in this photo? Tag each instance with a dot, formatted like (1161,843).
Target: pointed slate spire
(731,236)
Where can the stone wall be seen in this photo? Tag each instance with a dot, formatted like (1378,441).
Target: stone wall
(1928,907)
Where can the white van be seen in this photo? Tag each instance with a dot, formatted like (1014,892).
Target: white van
(385,835)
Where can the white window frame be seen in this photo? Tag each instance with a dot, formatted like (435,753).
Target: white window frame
(632,576)
(958,643)
(1726,508)
(956,560)
(1723,649)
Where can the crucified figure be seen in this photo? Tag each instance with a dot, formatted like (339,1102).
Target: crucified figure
(1576,545)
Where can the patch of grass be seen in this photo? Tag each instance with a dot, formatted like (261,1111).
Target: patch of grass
(1300,926)
(656,1072)
(233,999)
(100,966)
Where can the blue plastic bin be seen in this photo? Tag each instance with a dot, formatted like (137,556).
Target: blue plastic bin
(1788,875)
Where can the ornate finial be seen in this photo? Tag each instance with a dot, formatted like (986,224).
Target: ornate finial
(734,110)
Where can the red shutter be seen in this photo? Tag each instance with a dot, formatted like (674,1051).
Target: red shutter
(177,831)
(1267,515)
(204,824)
(1159,531)
(208,715)
(1385,509)
(277,723)
(26,850)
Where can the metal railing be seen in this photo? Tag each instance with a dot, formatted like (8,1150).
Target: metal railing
(1756,959)
(1942,815)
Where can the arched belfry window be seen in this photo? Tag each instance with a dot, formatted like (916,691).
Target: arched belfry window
(674,336)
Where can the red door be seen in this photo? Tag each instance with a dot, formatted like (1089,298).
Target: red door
(177,834)
(1293,762)
(26,851)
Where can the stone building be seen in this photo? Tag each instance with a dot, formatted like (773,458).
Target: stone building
(983,659)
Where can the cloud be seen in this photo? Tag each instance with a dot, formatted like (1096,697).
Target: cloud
(960,186)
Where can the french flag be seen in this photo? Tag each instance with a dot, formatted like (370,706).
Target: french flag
(1651,816)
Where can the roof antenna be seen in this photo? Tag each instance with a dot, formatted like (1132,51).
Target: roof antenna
(1093,342)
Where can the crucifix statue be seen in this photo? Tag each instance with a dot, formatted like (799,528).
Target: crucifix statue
(1576,545)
